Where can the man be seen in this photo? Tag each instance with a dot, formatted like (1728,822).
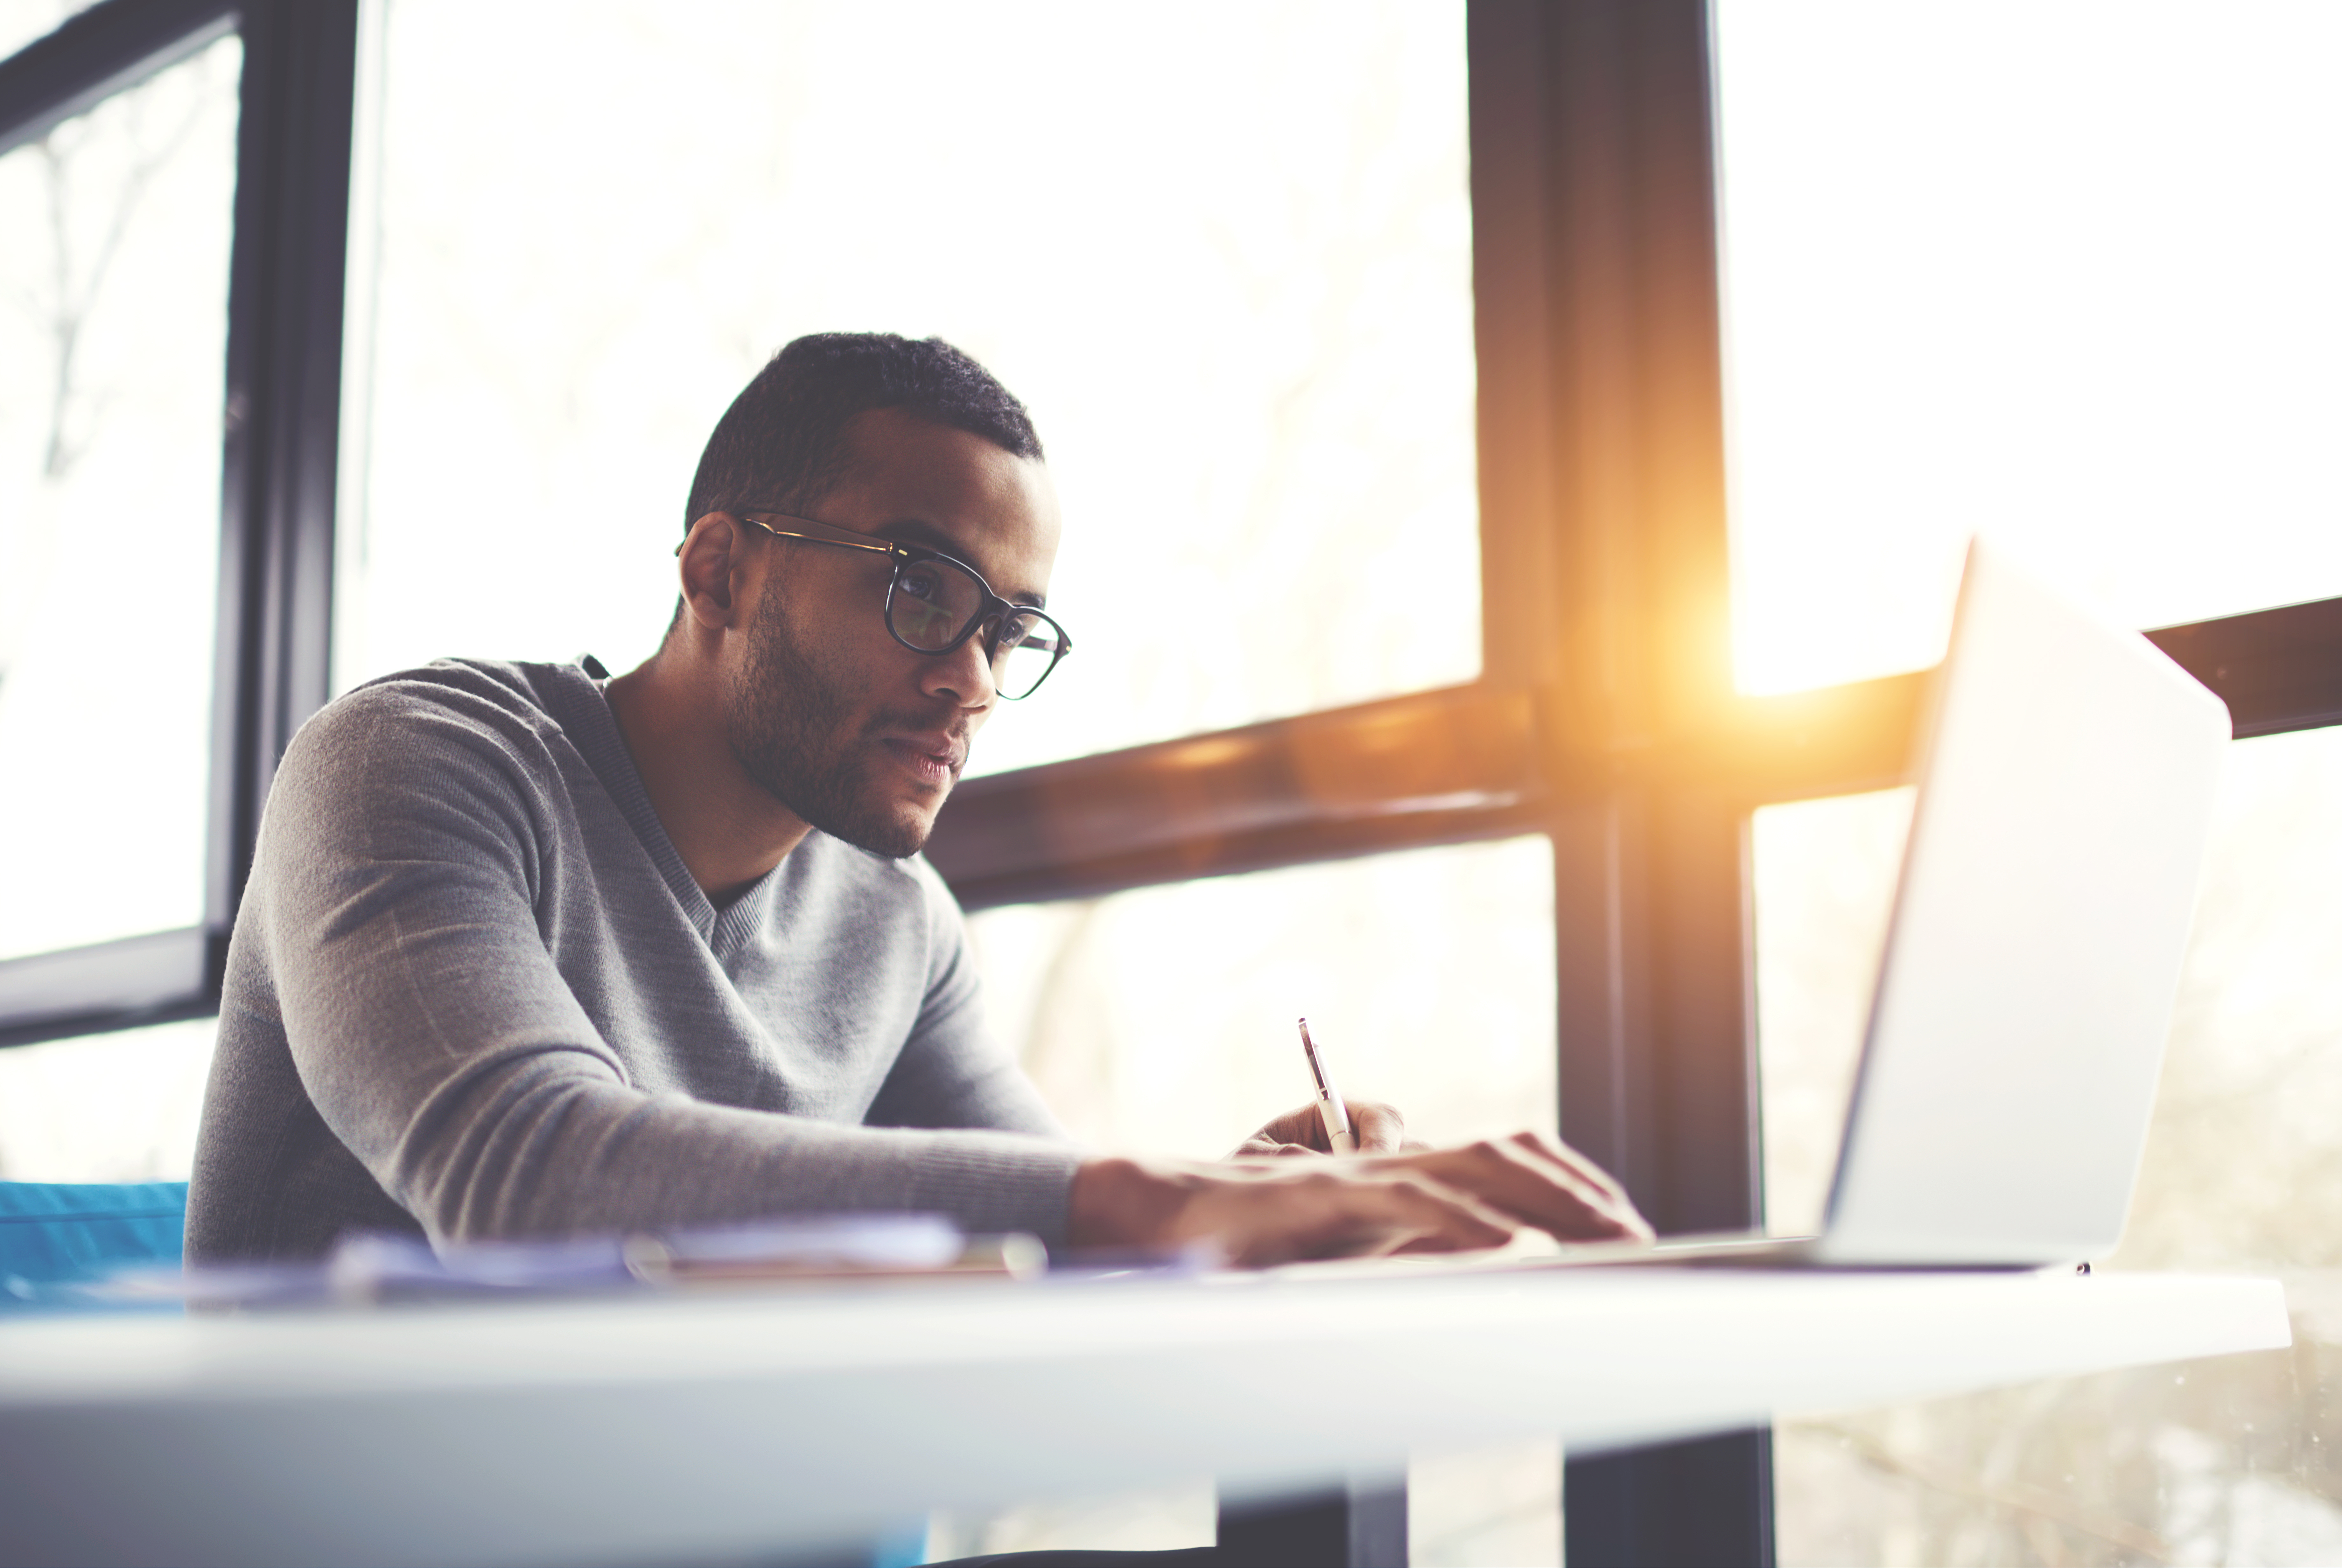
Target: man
(530,952)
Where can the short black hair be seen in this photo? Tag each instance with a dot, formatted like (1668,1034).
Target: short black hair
(782,444)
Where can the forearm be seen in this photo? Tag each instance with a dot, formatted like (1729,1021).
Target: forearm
(543,1148)
(970,1087)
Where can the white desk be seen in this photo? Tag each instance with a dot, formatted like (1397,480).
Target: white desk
(716,1426)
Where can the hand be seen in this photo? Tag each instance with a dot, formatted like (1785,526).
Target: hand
(1379,1130)
(1264,1211)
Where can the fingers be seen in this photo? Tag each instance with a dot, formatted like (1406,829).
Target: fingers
(1303,1126)
(1379,1128)
(1261,1146)
(1547,1151)
(1431,1216)
(1577,1163)
(1271,1213)
(1278,1203)
(1535,1180)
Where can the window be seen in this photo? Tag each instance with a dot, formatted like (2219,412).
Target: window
(1382,356)
(115,355)
(1163,1018)
(2047,271)
(1234,287)
(1825,873)
(22,21)
(175,179)
(117,199)
(116,1107)
(2221,1461)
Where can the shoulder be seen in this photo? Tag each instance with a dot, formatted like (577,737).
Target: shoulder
(932,890)
(480,692)
(472,736)
(449,706)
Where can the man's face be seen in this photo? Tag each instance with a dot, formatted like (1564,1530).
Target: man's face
(853,731)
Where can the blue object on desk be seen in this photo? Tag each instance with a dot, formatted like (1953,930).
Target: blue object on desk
(59,1233)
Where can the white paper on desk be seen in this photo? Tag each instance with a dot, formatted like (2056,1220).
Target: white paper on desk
(861,1241)
(366,1266)
(369,1265)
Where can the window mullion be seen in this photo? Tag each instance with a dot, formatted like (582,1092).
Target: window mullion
(282,426)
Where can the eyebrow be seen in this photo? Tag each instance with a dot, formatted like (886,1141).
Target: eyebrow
(911,531)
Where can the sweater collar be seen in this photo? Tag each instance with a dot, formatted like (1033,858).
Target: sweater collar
(592,725)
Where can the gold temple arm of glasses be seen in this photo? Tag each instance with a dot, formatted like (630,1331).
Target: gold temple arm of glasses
(823,533)
(844,538)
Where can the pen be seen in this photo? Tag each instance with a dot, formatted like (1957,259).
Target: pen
(1330,1109)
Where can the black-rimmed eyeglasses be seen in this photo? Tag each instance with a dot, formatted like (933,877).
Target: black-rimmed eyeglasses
(934,603)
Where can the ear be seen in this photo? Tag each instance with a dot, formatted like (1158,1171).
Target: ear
(713,566)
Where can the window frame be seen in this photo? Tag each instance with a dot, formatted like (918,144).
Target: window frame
(1604,715)
(280,401)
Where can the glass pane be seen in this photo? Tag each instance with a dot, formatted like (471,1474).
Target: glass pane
(1497,1505)
(23,21)
(105,1107)
(2062,271)
(1163,1019)
(1825,875)
(2224,1460)
(1224,254)
(2208,1461)
(112,353)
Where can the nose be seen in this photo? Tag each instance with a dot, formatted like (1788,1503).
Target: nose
(964,675)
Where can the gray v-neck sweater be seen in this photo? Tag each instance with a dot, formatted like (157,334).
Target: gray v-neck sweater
(473,990)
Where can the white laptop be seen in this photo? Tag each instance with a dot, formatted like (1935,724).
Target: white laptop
(2066,799)
(2067,771)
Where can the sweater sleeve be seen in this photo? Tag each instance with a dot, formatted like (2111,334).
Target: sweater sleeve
(952,1073)
(394,896)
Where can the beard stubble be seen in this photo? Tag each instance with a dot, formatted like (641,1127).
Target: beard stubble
(792,728)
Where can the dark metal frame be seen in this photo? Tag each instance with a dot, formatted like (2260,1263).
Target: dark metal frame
(1605,717)
(96,54)
(902,555)
(281,401)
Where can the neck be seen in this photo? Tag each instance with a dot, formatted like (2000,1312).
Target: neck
(728,828)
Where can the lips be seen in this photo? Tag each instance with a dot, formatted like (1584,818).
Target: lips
(933,758)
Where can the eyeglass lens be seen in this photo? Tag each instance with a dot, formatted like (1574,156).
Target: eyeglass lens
(934,600)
